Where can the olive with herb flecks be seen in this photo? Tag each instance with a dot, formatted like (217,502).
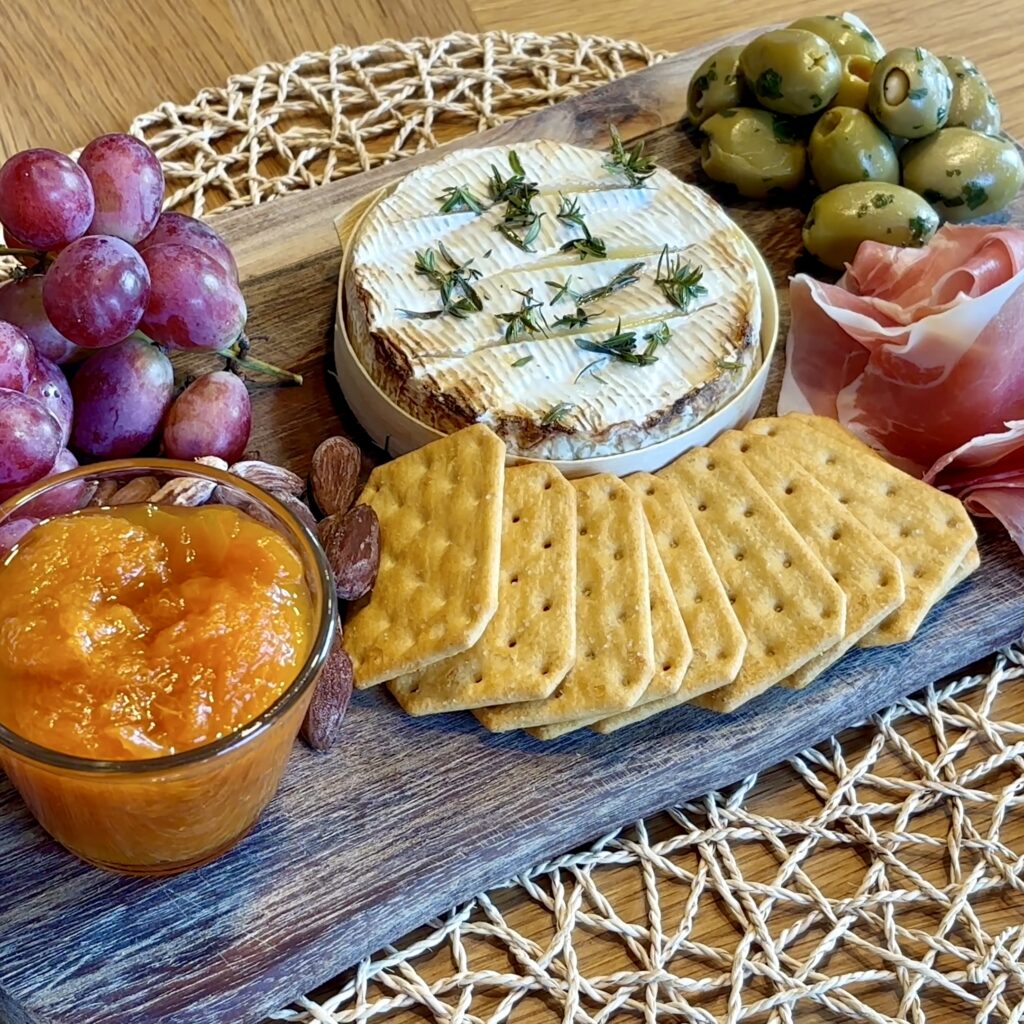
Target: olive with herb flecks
(854,81)
(845,33)
(865,211)
(973,105)
(791,71)
(846,145)
(910,92)
(757,151)
(962,173)
(715,85)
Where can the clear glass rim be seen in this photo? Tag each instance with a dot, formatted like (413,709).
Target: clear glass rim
(313,558)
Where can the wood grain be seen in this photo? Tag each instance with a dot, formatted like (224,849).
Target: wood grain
(411,816)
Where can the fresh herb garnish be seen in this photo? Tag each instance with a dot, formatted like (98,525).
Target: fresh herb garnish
(880,200)
(599,363)
(920,229)
(816,100)
(569,211)
(573,320)
(631,162)
(563,289)
(679,281)
(785,129)
(620,345)
(459,199)
(586,246)
(526,241)
(556,413)
(526,320)
(659,336)
(522,361)
(729,364)
(918,94)
(458,296)
(974,194)
(518,194)
(625,277)
(769,84)
(931,195)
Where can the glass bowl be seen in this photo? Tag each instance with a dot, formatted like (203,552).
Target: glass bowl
(163,815)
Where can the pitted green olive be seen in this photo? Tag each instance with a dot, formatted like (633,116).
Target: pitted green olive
(716,84)
(846,145)
(963,174)
(866,211)
(845,33)
(853,82)
(755,150)
(791,71)
(910,92)
(973,105)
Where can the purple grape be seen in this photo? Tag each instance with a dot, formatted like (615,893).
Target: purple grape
(128,184)
(17,358)
(58,501)
(48,385)
(96,291)
(45,198)
(121,395)
(182,229)
(21,304)
(29,439)
(11,533)
(212,416)
(193,303)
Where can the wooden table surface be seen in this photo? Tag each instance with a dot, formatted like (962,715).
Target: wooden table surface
(69,71)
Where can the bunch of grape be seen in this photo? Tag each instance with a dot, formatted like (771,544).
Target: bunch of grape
(108,287)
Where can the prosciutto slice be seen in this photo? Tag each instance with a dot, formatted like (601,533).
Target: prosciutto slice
(920,352)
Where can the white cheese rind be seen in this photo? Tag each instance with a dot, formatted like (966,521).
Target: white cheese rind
(449,372)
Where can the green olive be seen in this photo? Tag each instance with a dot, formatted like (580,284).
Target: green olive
(716,84)
(910,92)
(791,71)
(846,145)
(973,105)
(866,211)
(854,80)
(845,33)
(963,174)
(755,150)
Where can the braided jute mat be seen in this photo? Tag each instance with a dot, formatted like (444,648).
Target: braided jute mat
(869,878)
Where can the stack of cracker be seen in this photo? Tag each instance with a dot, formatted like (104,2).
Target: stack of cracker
(551,605)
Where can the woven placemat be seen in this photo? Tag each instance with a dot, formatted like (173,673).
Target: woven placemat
(869,878)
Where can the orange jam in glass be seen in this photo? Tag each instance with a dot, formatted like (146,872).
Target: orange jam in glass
(142,632)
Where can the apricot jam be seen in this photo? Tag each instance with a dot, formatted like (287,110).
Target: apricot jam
(138,632)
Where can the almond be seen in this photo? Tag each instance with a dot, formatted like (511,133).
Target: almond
(351,541)
(187,491)
(142,488)
(105,490)
(334,474)
(297,507)
(321,728)
(213,461)
(269,477)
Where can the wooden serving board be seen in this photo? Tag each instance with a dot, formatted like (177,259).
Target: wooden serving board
(410,816)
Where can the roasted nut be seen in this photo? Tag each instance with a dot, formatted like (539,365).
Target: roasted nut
(142,488)
(269,477)
(105,490)
(185,491)
(297,507)
(334,474)
(321,727)
(213,461)
(351,541)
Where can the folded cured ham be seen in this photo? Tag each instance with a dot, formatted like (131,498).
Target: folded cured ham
(920,352)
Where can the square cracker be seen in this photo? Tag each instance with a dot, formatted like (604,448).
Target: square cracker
(930,532)
(440,523)
(789,606)
(672,649)
(530,644)
(868,573)
(614,647)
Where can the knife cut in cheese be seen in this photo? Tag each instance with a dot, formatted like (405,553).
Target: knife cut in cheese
(560,382)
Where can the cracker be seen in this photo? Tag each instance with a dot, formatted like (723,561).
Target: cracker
(614,646)
(530,644)
(672,649)
(440,522)
(868,573)
(789,606)
(930,532)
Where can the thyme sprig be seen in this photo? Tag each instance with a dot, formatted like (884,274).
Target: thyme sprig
(679,280)
(458,296)
(528,319)
(459,199)
(620,345)
(631,162)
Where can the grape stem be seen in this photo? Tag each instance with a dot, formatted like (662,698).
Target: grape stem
(238,357)
(6,250)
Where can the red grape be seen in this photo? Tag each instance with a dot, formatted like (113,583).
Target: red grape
(11,533)
(29,439)
(48,385)
(193,303)
(17,358)
(96,291)
(185,230)
(45,198)
(121,394)
(212,416)
(59,501)
(128,184)
(21,304)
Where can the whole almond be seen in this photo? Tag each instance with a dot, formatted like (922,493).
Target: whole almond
(142,488)
(321,727)
(269,477)
(334,474)
(351,541)
(185,491)
(297,507)
(105,490)
(213,461)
